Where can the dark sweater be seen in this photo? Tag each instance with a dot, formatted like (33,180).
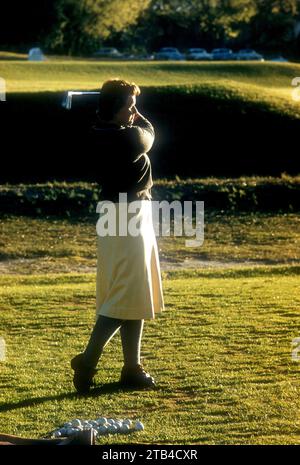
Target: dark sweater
(124,165)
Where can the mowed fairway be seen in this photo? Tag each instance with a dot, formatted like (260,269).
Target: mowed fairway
(222,350)
(261,83)
(221,354)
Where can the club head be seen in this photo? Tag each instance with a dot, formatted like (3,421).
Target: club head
(74,97)
(81,438)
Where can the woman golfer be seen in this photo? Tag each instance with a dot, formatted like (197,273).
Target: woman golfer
(129,288)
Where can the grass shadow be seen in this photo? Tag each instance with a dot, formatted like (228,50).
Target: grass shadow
(97,391)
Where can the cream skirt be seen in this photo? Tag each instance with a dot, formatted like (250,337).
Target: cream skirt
(128,271)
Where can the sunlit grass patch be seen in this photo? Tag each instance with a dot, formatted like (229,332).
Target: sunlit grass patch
(265,83)
(221,354)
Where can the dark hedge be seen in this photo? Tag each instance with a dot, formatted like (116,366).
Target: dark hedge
(80,199)
(199,133)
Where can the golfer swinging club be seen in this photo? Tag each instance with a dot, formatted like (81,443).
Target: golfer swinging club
(129,287)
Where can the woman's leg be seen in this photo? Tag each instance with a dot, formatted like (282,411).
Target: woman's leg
(84,364)
(131,336)
(133,374)
(103,331)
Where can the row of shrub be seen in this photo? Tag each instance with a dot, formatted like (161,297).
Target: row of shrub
(64,199)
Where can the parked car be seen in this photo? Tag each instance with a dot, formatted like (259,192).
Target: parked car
(136,57)
(222,54)
(36,54)
(248,54)
(168,53)
(108,52)
(145,57)
(150,56)
(129,56)
(279,59)
(198,54)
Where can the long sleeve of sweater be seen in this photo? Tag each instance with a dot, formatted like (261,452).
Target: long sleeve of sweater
(141,136)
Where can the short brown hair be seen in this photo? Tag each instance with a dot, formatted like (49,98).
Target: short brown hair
(114,95)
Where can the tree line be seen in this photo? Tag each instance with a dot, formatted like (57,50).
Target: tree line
(79,27)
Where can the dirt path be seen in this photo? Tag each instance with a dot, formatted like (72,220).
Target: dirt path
(50,265)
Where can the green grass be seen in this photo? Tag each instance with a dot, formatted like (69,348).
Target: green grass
(13,56)
(221,351)
(63,245)
(221,354)
(267,83)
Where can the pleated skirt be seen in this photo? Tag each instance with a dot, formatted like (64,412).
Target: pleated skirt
(129,284)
